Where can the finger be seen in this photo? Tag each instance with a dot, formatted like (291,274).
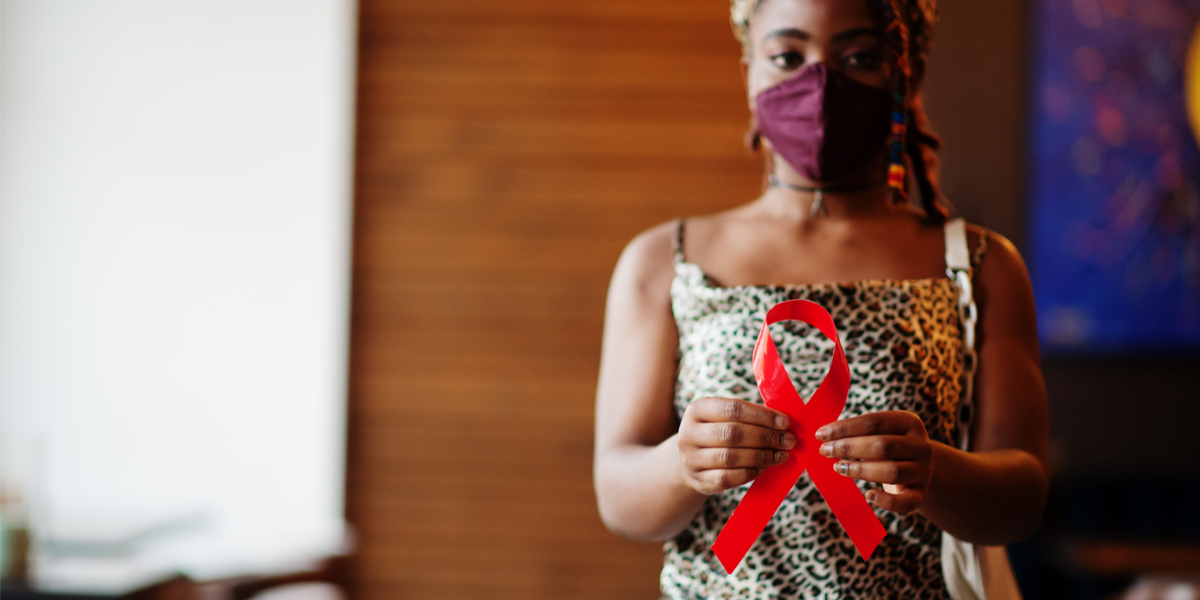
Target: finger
(717,410)
(737,435)
(879,447)
(734,458)
(881,471)
(719,480)
(903,502)
(893,422)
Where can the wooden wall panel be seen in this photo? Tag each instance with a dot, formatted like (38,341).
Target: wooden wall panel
(507,151)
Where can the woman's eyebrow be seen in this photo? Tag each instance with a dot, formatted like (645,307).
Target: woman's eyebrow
(802,35)
(856,32)
(788,32)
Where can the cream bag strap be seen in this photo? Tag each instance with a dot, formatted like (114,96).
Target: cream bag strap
(972,572)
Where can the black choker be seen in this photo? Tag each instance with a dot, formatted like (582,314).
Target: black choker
(818,205)
(829,189)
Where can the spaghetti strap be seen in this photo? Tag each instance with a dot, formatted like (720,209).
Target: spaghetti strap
(980,250)
(678,242)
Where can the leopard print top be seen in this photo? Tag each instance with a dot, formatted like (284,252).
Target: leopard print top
(903,342)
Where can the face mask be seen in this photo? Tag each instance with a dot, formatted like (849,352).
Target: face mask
(823,123)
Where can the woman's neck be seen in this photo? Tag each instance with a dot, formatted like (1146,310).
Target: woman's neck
(793,196)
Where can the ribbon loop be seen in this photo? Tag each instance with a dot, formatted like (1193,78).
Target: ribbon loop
(769,489)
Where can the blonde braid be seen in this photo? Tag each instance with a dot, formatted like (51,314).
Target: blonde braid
(740,12)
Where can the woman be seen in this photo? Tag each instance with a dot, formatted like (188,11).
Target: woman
(680,428)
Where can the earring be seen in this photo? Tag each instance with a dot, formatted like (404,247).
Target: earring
(753,139)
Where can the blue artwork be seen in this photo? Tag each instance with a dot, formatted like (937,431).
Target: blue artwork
(1115,167)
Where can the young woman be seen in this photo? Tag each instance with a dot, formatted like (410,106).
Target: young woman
(680,427)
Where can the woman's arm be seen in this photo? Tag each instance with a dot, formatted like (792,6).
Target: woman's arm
(995,493)
(652,476)
(639,489)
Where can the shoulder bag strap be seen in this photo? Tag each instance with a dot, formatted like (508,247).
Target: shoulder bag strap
(958,268)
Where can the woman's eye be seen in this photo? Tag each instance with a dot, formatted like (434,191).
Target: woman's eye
(864,61)
(787,60)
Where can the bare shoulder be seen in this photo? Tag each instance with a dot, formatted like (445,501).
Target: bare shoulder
(708,231)
(646,266)
(1002,260)
(1003,290)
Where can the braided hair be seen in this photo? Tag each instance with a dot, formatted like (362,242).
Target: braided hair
(909,26)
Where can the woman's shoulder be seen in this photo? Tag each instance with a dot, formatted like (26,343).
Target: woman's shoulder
(992,250)
(651,249)
(711,230)
(664,242)
(1003,291)
(647,265)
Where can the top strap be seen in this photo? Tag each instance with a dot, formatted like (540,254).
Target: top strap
(678,242)
(980,249)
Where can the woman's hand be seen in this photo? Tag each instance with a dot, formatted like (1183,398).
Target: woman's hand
(891,448)
(724,443)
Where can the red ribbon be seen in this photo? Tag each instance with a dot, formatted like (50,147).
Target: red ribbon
(826,404)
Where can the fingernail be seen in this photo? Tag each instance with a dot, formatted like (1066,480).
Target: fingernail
(841,467)
(781,422)
(780,456)
(823,433)
(872,496)
(826,449)
(787,440)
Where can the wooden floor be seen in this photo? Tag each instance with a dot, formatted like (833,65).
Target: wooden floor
(507,151)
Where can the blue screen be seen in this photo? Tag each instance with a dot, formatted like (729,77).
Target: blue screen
(1115,176)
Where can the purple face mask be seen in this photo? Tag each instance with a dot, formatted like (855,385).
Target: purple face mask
(824,123)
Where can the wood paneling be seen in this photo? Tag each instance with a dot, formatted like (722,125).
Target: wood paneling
(507,151)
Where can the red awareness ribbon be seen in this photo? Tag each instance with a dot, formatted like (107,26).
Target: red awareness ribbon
(769,489)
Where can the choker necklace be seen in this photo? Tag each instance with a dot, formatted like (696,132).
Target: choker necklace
(818,205)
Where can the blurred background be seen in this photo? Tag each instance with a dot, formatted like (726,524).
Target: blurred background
(312,290)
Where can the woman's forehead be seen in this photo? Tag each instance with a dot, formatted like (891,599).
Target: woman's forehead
(811,18)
